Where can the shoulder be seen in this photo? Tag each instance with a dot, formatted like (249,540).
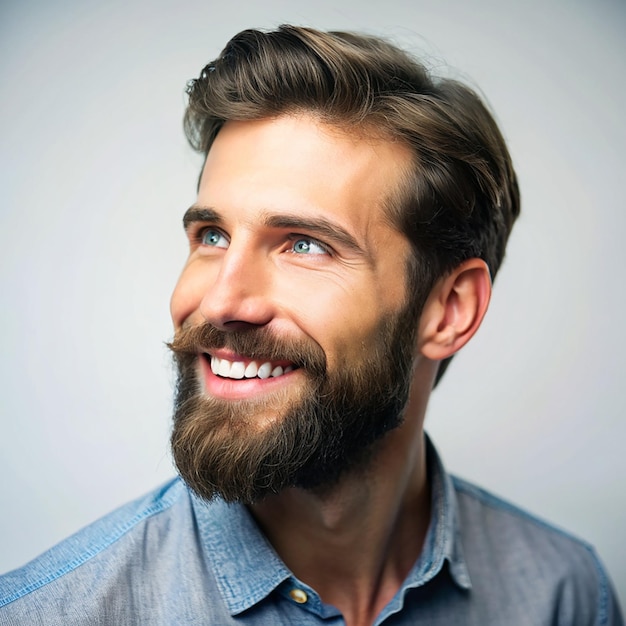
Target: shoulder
(106,559)
(486,516)
(507,547)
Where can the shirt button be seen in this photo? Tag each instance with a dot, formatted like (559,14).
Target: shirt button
(299,596)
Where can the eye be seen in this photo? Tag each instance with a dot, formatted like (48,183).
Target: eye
(304,245)
(214,238)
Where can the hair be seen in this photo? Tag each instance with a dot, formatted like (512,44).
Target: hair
(461,198)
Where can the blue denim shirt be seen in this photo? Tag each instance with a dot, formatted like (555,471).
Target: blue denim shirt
(172,559)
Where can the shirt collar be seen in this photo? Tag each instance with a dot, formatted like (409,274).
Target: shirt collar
(245,566)
(247,569)
(443,539)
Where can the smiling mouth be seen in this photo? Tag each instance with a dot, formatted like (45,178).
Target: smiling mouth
(238,370)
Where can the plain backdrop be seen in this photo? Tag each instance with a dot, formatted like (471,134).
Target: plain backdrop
(95,178)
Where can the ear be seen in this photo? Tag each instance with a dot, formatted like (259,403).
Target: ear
(454,310)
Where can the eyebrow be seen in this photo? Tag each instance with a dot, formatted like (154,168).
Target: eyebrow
(200,214)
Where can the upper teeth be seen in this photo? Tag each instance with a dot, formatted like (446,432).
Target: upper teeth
(238,369)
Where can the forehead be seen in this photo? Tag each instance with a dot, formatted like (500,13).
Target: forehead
(297,163)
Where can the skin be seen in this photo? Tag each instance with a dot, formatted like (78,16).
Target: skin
(289,232)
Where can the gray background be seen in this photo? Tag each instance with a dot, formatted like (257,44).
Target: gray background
(95,177)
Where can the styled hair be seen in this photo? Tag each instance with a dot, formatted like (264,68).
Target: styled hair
(461,198)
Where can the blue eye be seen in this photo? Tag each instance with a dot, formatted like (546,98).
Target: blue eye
(212,237)
(308,246)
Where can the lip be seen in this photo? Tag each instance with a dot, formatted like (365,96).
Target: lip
(231,389)
(233,356)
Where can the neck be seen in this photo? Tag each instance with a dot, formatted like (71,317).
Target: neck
(356,544)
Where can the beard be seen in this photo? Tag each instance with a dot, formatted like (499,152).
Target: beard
(309,436)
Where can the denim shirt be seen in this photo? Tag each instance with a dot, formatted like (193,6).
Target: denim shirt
(171,559)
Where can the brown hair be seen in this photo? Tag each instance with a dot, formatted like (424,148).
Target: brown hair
(462,198)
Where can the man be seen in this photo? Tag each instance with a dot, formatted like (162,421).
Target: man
(351,214)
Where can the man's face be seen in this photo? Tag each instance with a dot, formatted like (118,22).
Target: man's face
(294,337)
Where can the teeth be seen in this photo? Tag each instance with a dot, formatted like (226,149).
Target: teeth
(265,370)
(224,368)
(237,369)
(251,370)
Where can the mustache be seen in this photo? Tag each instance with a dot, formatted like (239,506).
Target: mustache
(257,343)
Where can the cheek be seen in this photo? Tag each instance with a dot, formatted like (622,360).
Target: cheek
(186,297)
(178,305)
(346,324)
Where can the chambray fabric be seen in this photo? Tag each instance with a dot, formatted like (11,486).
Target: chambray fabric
(172,559)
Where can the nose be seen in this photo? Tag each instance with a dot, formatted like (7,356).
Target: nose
(240,294)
